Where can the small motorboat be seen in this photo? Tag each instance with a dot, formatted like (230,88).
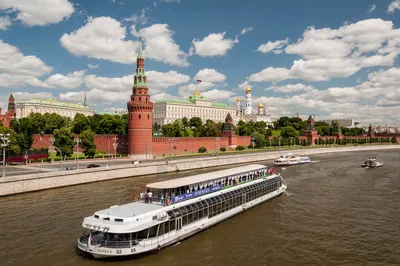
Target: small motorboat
(372,163)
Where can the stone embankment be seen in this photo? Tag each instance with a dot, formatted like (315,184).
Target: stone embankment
(27,183)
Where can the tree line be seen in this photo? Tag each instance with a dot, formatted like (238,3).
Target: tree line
(63,129)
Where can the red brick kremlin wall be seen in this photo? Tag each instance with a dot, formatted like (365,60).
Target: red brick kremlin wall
(160,146)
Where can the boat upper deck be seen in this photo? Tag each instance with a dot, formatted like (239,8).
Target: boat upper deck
(128,210)
(195,179)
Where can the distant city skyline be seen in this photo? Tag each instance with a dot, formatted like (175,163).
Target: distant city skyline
(337,59)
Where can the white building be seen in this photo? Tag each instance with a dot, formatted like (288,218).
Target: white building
(42,106)
(261,114)
(167,111)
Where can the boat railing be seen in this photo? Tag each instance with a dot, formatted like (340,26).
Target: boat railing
(109,243)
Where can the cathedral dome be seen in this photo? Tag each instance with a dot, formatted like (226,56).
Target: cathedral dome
(260,106)
(248,90)
(239,99)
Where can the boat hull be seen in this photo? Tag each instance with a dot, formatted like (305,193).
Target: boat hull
(178,235)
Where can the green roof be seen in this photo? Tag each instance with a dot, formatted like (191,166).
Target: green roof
(184,101)
(55,103)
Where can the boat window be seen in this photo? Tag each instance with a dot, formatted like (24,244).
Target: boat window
(171,214)
(143,234)
(200,204)
(189,208)
(106,218)
(209,201)
(214,200)
(183,210)
(153,231)
(177,213)
(118,220)
(222,197)
(96,216)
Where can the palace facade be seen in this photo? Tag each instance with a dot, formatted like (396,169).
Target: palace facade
(196,105)
(42,106)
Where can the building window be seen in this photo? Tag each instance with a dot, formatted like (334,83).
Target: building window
(140,116)
(148,116)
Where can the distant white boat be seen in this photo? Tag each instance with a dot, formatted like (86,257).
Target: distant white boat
(290,159)
(372,163)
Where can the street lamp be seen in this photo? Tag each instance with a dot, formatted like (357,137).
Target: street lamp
(252,143)
(4,144)
(170,140)
(77,140)
(115,145)
(217,142)
(52,144)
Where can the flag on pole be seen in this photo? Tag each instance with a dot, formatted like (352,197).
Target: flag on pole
(198,81)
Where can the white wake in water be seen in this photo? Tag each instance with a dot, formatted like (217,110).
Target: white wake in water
(287,193)
(314,161)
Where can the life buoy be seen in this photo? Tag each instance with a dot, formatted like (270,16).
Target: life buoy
(168,202)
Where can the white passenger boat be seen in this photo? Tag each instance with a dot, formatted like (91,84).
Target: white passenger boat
(290,159)
(372,163)
(192,204)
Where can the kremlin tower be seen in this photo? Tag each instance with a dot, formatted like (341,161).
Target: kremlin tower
(140,111)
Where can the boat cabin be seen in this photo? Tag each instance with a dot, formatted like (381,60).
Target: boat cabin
(177,190)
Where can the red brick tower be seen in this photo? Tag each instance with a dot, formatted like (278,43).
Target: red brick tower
(140,114)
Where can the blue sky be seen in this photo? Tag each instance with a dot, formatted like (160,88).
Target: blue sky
(336,59)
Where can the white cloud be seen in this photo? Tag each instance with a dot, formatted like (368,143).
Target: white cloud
(245,85)
(96,97)
(160,46)
(290,88)
(274,47)
(5,22)
(393,6)
(322,69)
(70,81)
(371,8)
(101,38)
(162,96)
(39,12)
(209,75)
(215,44)
(12,61)
(90,66)
(218,95)
(157,81)
(246,30)
(317,48)
(141,19)
(24,96)
(270,74)
(209,78)
(171,1)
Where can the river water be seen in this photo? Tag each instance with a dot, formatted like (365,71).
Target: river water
(334,213)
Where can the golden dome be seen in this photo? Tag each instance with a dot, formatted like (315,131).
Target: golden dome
(196,92)
(239,99)
(248,90)
(260,106)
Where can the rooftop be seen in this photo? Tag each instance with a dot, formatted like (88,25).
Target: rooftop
(195,179)
(54,103)
(129,210)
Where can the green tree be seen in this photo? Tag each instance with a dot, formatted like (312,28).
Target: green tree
(80,123)
(64,140)
(54,121)
(289,132)
(87,143)
(195,122)
(12,147)
(94,122)
(259,140)
(185,122)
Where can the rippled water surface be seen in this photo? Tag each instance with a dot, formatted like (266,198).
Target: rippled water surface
(334,213)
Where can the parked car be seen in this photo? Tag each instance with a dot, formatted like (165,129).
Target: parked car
(135,162)
(93,165)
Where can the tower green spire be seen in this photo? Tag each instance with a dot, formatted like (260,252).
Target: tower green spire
(140,76)
(84,100)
